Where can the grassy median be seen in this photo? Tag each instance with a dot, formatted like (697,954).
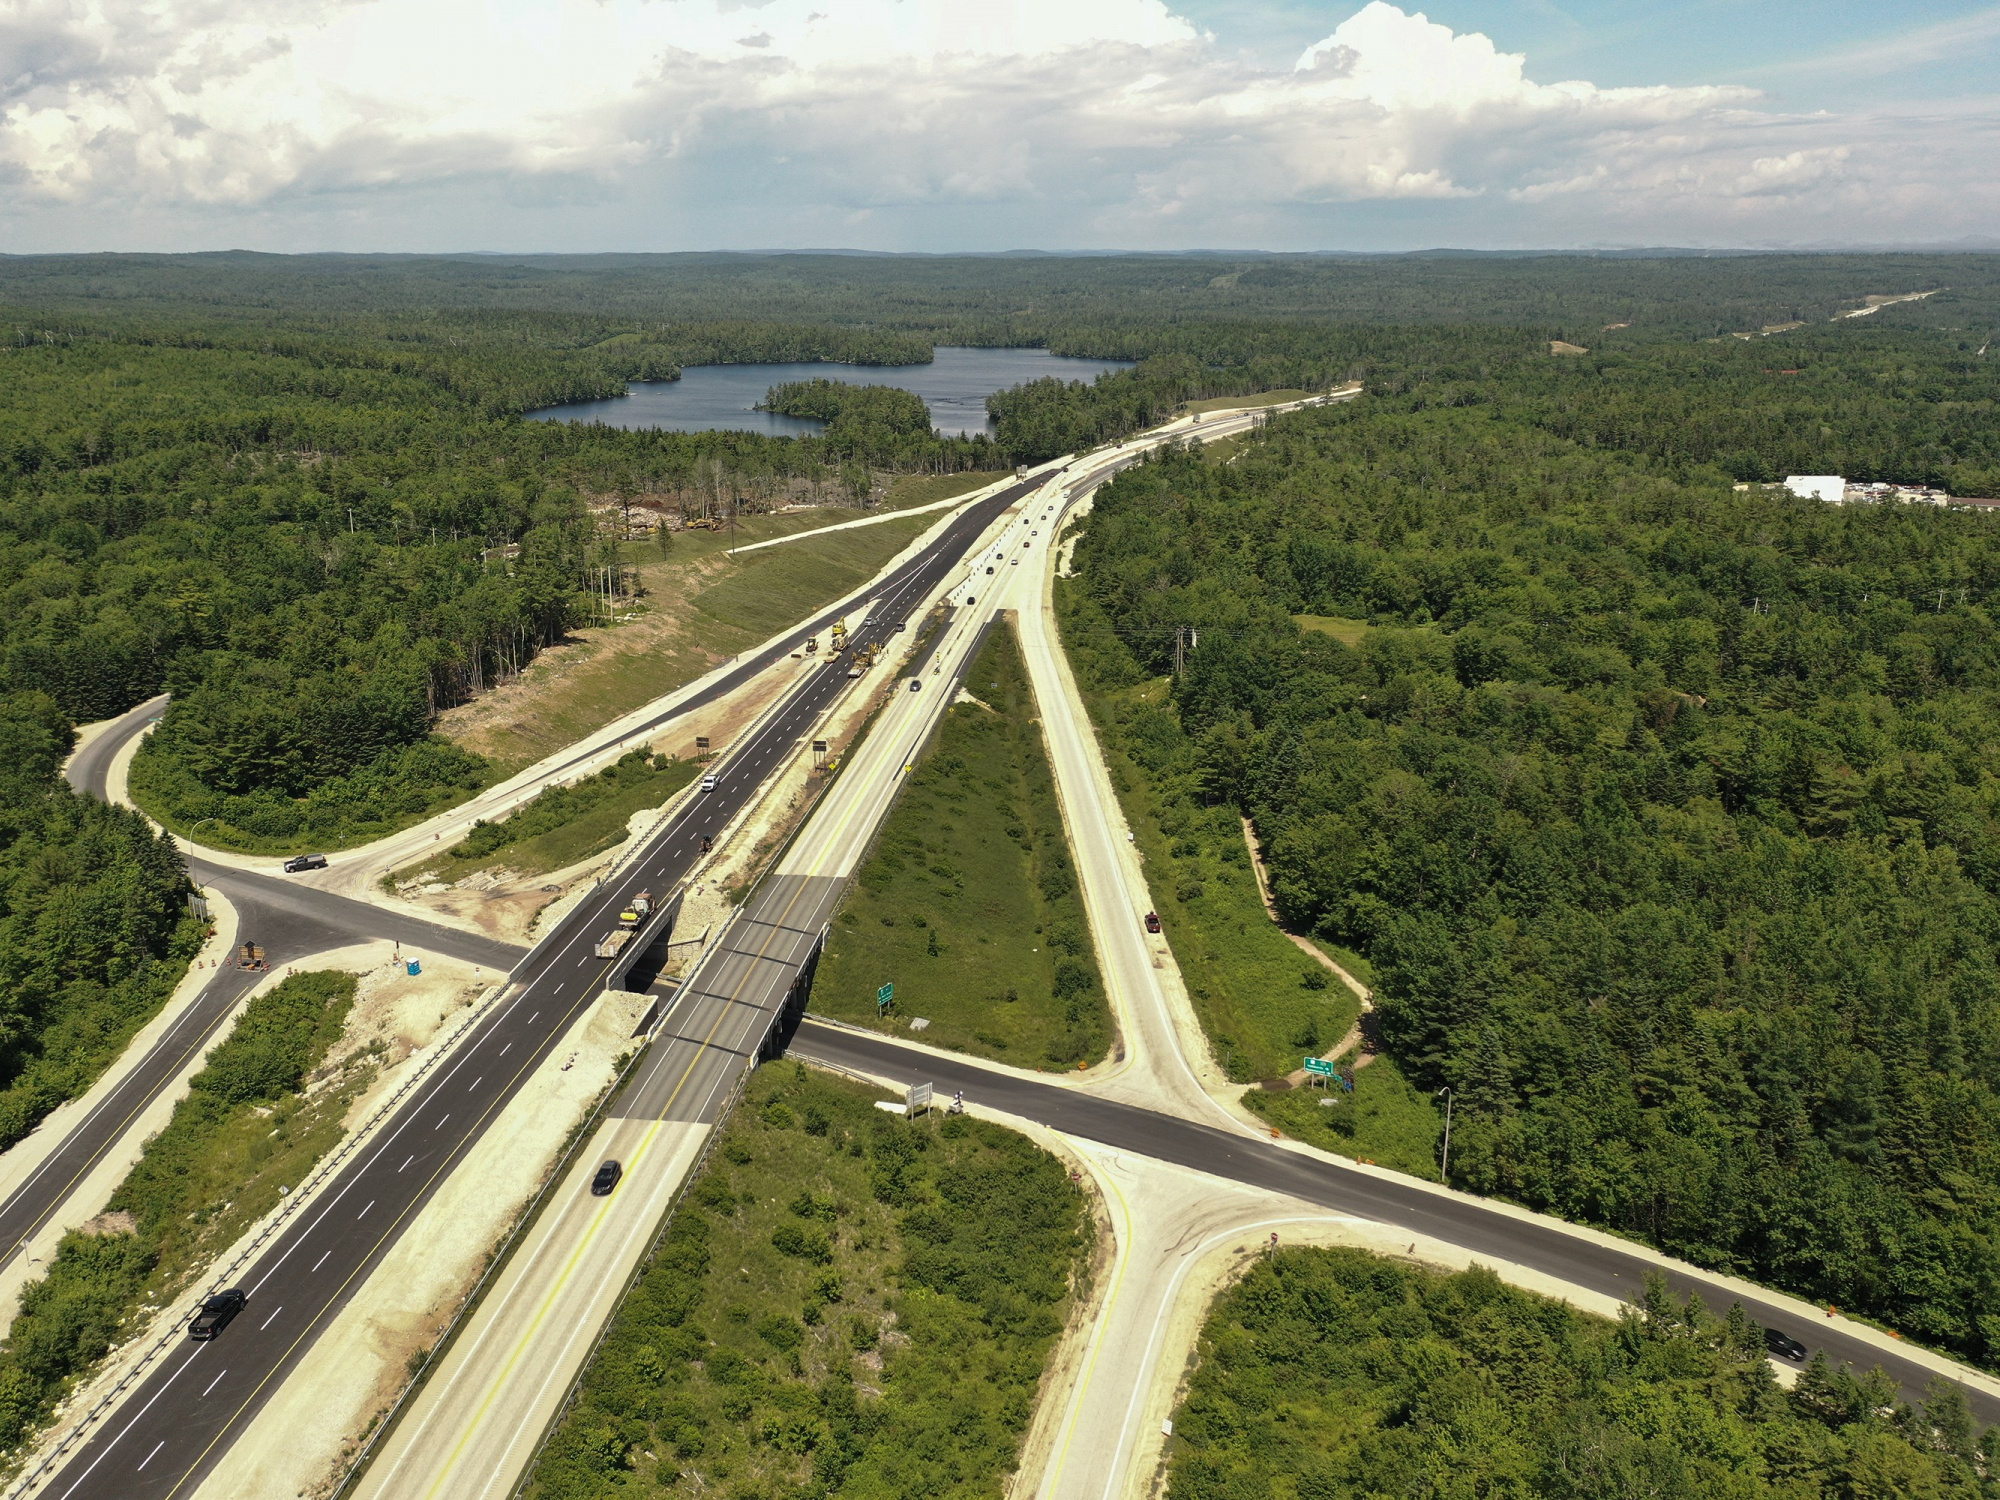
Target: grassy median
(848,1302)
(564,824)
(968,903)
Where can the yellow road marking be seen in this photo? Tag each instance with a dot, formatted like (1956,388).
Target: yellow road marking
(548,1305)
(561,1283)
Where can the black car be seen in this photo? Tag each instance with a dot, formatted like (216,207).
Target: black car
(606,1179)
(213,1315)
(300,862)
(1783,1347)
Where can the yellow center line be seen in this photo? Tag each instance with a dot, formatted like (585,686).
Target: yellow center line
(597,1222)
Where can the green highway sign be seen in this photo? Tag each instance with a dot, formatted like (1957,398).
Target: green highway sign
(884,995)
(1319,1066)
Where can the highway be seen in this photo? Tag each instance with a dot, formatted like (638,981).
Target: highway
(480,1417)
(175,1423)
(477,1422)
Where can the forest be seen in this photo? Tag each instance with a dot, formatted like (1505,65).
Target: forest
(1337,1375)
(1664,809)
(880,425)
(1661,807)
(94,930)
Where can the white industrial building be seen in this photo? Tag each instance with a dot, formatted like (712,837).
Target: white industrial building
(1828,487)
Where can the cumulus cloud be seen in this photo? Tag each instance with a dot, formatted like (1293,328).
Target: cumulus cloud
(1051,121)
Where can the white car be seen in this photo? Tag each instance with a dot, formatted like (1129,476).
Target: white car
(710,782)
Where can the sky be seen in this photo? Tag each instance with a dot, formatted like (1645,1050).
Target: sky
(985,125)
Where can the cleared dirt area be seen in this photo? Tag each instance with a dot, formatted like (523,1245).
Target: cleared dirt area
(516,905)
(696,608)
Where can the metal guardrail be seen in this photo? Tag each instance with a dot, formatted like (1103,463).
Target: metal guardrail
(273,1222)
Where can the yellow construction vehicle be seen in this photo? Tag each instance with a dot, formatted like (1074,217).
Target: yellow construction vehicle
(840,634)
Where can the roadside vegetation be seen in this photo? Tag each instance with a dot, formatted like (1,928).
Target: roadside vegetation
(846,1303)
(94,928)
(1263,1004)
(247,1131)
(909,490)
(1384,1119)
(968,902)
(1330,1374)
(564,824)
(1665,811)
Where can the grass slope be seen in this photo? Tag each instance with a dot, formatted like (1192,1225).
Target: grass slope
(698,606)
(847,1303)
(763,593)
(245,1132)
(565,823)
(969,902)
(1334,1375)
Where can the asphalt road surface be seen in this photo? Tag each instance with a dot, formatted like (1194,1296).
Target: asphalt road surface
(172,1426)
(1458,1219)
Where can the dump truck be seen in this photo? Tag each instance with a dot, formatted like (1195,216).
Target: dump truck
(643,903)
(610,945)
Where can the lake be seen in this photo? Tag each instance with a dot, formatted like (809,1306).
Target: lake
(954,385)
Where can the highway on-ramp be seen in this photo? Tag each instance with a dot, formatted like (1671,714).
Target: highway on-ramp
(174,1424)
(476,1423)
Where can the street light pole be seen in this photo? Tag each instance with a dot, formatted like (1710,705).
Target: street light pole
(1445,1169)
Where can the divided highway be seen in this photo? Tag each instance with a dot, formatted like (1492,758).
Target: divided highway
(171,1428)
(475,1426)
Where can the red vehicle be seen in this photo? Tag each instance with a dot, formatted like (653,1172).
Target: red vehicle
(1152,921)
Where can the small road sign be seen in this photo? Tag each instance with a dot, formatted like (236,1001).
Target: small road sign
(919,1098)
(1319,1066)
(883,996)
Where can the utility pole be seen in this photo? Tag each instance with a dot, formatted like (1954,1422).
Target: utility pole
(1445,1169)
